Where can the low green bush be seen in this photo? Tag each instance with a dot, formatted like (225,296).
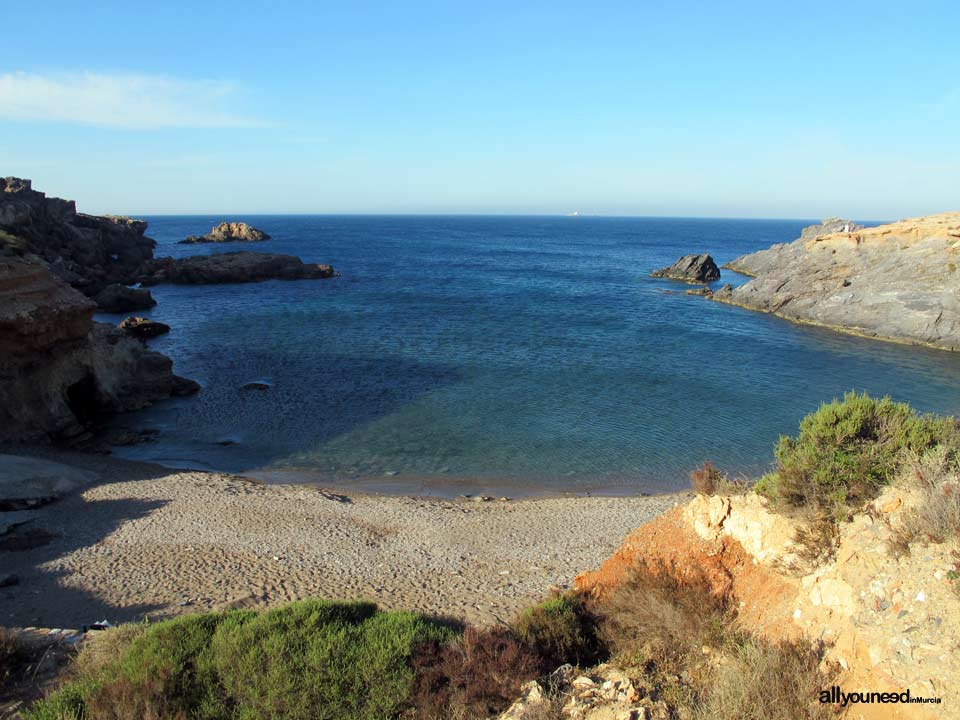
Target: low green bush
(847,451)
(311,659)
(560,630)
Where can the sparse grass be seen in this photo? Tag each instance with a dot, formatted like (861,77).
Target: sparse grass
(847,451)
(475,676)
(311,659)
(683,644)
(757,680)
(659,624)
(935,518)
(707,480)
(561,630)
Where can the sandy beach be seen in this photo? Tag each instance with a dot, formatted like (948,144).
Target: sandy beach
(144,540)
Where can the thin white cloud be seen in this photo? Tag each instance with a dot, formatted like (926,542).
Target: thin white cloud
(120,100)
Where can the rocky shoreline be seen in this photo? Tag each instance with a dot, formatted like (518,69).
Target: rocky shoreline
(61,372)
(897,282)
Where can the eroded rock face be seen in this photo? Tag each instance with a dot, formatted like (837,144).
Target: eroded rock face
(890,623)
(899,281)
(228,232)
(233,267)
(691,268)
(60,371)
(86,251)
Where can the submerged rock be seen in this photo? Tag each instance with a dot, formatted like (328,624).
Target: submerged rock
(899,281)
(691,268)
(234,267)
(120,298)
(228,232)
(143,328)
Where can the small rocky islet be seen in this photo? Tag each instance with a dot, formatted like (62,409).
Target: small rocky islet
(228,232)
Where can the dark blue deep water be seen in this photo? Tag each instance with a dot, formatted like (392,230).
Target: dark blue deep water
(514,355)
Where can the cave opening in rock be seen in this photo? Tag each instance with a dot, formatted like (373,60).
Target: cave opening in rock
(82,399)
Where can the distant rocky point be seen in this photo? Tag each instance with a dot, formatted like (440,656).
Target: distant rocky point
(899,281)
(228,232)
(234,267)
(691,268)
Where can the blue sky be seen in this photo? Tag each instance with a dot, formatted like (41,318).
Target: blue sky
(758,109)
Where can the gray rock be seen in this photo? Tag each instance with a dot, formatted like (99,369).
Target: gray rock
(27,482)
(899,281)
(120,298)
(691,268)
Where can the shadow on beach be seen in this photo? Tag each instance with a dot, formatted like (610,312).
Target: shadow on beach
(43,595)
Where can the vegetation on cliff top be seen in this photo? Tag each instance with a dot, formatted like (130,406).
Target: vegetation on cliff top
(848,450)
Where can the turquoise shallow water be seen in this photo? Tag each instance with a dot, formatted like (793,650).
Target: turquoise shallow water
(515,355)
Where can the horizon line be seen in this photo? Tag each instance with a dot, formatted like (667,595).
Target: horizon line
(491,215)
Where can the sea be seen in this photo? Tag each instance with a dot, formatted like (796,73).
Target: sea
(516,356)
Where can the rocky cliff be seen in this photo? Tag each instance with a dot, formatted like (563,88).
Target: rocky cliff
(899,281)
(59,370)
(86,251)
(890,623)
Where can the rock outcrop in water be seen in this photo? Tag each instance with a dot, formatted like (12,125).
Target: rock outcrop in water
(143,328)
(899,281)
(233,267)
(86,251)
(120,298)
(228,232)
(691,268)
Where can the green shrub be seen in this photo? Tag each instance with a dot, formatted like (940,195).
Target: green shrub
(311,659)
(847,451)
(560,630)
(319,660)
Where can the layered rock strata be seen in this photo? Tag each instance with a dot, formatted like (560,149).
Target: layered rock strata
(899,281)
(86,251)
(59,370)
